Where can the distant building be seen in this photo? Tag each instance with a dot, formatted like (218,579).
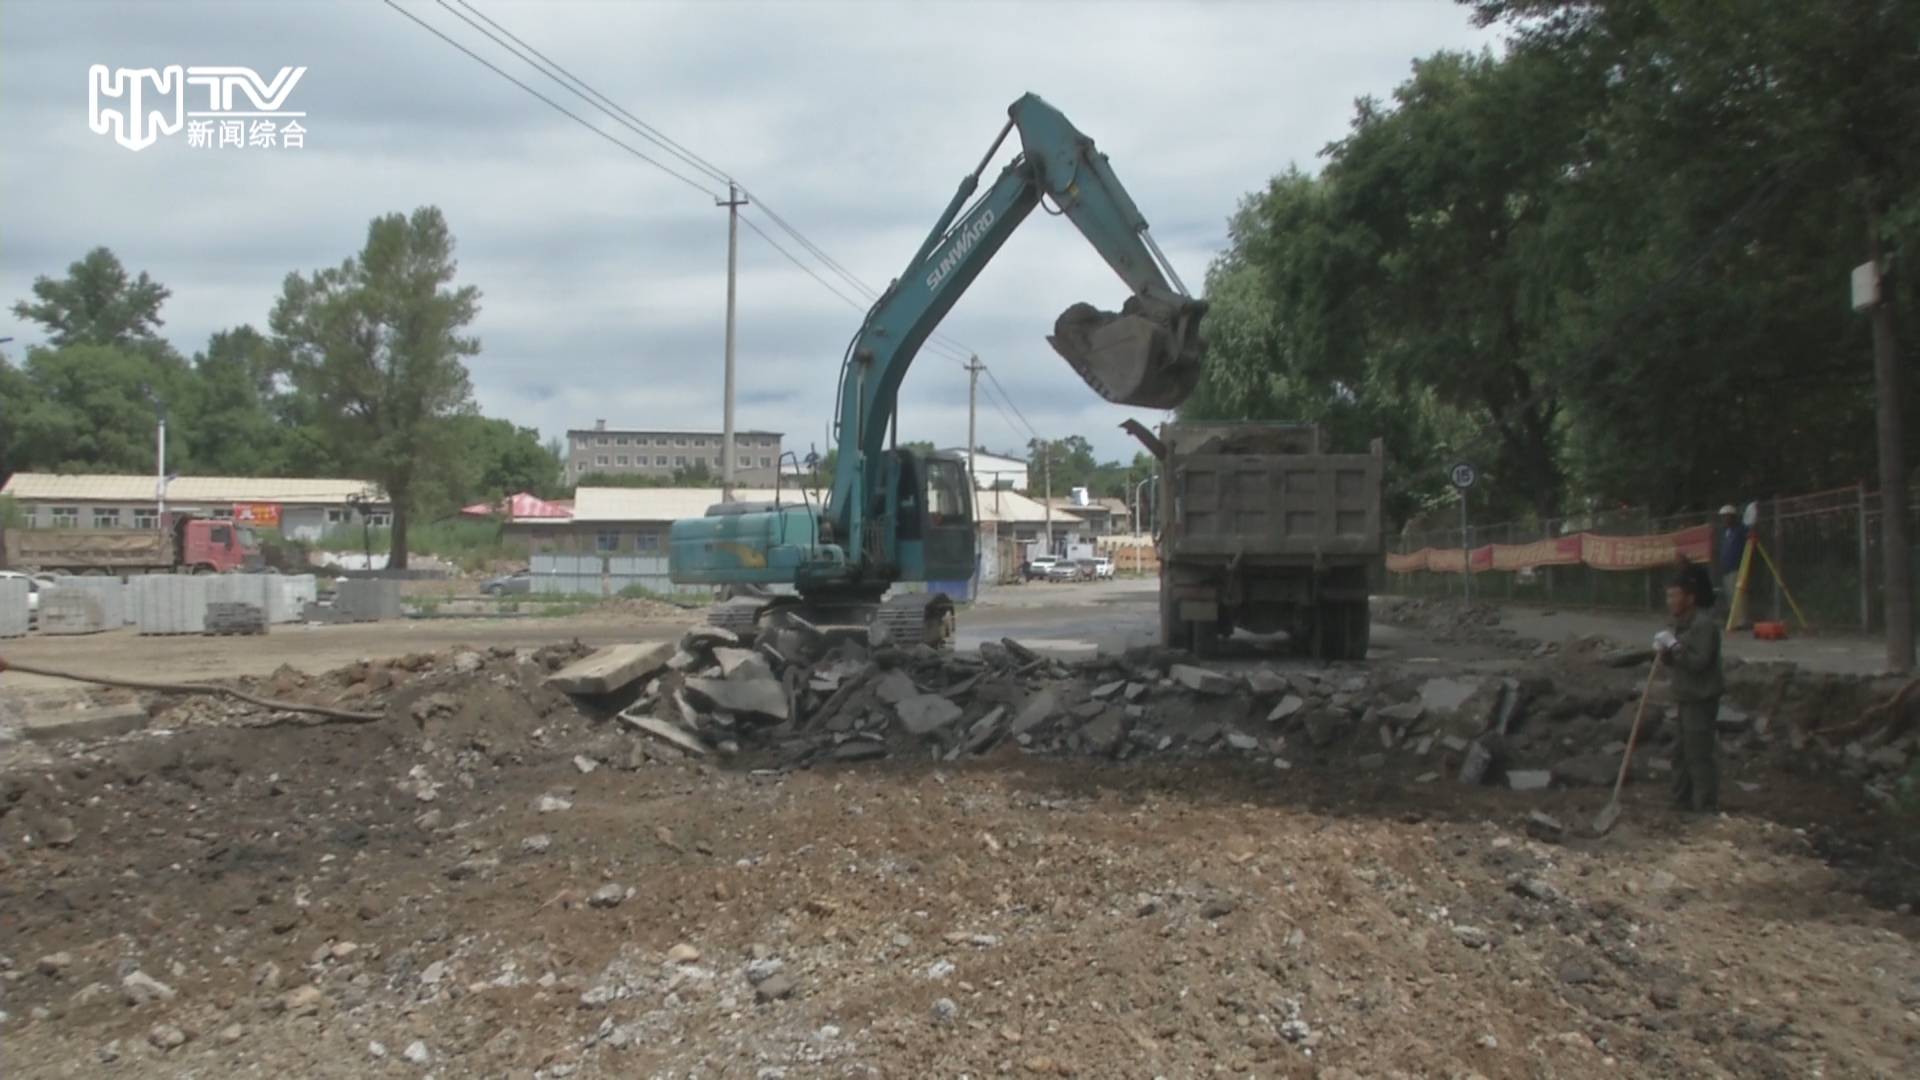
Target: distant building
(627,521)
(300,508)
(994,470)
(656,452)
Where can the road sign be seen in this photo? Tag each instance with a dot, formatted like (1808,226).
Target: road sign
(1462,476)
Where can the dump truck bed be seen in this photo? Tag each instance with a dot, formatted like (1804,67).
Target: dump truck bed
(1263,492)
(87,549)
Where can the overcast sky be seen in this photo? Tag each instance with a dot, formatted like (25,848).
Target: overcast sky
(603,278)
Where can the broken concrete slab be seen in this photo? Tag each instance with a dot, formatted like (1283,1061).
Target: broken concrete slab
(1404,714)
(895,687)
(760,697)
(1529,779)
(1105,733)
(1242,742)
(1135,692)
(924,714)
(730,659)
(1039,709)
(87,724)
(1443,695)
(1267,683)
(984,733)
(1479,759)
(1201,680)
(612,668)
(667,732)
(1108,690)
(1286,709)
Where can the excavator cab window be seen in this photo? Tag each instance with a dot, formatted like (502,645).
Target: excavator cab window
(947,502)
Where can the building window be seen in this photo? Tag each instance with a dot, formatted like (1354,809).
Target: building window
(680,460)
(106,519)
(620,440)
(336,517)
(661,441)
(607,540)
(146,519)
(601,460)
(766,463)
(679,442)
(646,542)
(602,440)
(661,460)
(621,461)
(379,519)
(65,517)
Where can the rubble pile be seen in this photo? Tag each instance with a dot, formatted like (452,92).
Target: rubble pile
(1456,621)
(795,696)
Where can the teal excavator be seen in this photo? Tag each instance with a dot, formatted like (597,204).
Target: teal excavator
(894,515)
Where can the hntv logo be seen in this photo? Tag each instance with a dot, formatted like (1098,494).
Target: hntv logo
(234,105)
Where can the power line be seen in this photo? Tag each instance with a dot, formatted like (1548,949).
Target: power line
(620,114)
(937,343)
(604,103)
(556,106)
(995,380)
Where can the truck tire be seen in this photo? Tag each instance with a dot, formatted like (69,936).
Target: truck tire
(1170,628)
(1345,629)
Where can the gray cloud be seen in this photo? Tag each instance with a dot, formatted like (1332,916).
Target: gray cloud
(602,278)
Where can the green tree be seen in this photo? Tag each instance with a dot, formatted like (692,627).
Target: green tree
(376,345)
(97,303)
(90,408)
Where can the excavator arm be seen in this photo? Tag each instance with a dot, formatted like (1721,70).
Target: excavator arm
(1148,355)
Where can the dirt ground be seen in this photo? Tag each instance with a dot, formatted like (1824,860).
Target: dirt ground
(491,881)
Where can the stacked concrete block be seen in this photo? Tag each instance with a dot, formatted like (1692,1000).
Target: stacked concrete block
(171,603)
(251,589)
(228,617)
(74,611)
(111,593)
(366,600)
(14,615)
(289,599)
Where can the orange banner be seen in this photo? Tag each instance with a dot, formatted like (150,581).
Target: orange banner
(1598,552)
(1645,552)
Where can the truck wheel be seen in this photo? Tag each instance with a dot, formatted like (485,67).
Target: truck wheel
(1329,631)
(1359,629)
(1169,622)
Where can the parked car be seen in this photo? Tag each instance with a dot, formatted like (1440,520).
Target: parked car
(1103,568)
(520,581)
(1063,570)
(1039,568)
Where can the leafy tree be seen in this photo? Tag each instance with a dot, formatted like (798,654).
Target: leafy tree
(89,408)
(96,304)
(376,343)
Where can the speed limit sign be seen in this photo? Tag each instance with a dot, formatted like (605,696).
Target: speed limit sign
(1462,476)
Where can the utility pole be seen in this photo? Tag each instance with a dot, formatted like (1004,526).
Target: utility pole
(1046,474)
(733,203)
(973,392)
(1897,579)
(160,471)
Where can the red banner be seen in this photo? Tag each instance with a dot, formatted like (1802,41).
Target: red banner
(1598,552)
(265,515)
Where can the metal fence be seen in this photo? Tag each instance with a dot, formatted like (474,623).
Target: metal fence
(1826,546)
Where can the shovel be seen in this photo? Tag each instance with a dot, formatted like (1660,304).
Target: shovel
(1611,812)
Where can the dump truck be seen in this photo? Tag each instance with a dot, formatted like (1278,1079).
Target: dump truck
(1258,528)
(191,545)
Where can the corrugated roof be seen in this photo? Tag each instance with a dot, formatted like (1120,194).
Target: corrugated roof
(48,487)
(1009,507)
(611,504)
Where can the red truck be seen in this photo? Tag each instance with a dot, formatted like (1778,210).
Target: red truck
(192,545)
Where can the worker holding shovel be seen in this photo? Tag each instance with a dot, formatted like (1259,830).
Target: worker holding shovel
(1690,649)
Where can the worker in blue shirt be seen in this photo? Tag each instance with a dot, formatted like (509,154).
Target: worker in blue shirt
(1733,546)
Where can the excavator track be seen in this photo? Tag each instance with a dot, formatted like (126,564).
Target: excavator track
(913,619)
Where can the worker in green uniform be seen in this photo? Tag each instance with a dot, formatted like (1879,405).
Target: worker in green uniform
(1690,650)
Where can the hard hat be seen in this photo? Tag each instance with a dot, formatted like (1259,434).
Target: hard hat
(1728,509)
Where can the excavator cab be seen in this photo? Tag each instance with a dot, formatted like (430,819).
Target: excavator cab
(930,513)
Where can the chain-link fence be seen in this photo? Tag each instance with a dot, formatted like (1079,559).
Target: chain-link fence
(1825,546)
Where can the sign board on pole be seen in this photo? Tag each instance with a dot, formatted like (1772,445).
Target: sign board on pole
(1866,286)
(1462,476)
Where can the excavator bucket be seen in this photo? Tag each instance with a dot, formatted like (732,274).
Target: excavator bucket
(1147,355)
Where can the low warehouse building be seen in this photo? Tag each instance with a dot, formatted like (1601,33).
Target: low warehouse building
(300,508)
